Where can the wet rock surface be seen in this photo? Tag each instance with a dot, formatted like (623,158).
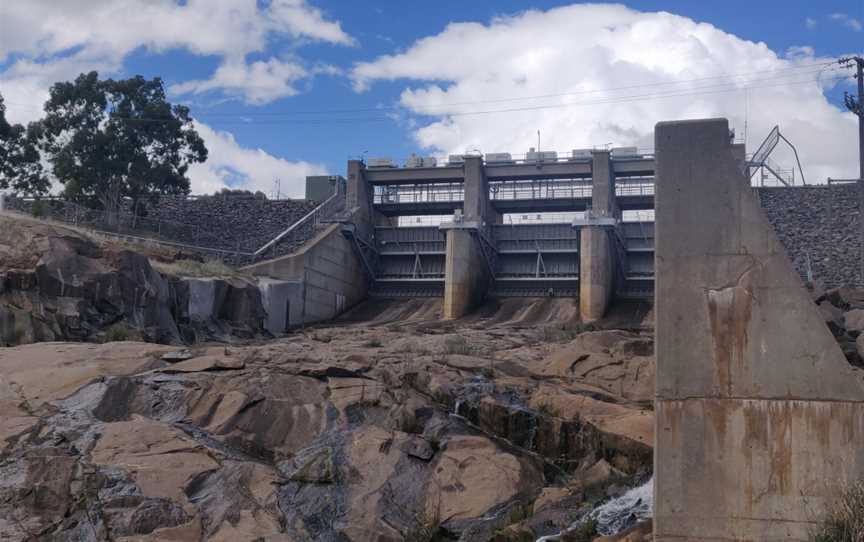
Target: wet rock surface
(377,431)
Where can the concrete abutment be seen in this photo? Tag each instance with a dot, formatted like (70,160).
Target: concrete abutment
(759,417)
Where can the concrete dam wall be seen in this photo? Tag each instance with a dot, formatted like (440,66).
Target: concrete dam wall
(759,417)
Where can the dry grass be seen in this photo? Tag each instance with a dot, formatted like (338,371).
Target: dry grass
(844,520)
(192,268)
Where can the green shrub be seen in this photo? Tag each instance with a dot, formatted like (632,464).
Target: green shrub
(117,333)
(844,519)
(38,208)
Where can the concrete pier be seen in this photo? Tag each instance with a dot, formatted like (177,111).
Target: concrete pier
(759,417)
(359,200)
(596,272)
(466,276)
(596,252)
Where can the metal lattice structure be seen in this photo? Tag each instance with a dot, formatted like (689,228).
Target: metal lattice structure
(760,160)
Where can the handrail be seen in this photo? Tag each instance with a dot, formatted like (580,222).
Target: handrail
(313,213)
(81,216)
(139,238)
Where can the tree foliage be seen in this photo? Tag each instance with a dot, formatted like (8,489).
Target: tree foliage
(108,139)
(20,167)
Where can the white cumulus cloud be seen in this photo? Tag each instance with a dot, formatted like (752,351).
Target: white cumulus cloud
(259,82)
(591,74)
(232,165)
(56,41)
(104,32)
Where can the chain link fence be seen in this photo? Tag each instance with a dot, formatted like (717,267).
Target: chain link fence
(197,238)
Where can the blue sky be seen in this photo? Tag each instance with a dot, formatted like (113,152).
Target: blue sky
(313,122)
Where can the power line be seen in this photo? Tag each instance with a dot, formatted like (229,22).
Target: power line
(609,101)
(789,71)
(809,69)
(717,88)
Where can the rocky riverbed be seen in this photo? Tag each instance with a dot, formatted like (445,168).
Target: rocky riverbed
(388,425)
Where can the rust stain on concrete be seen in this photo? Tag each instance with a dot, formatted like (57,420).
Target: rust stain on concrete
(780,423)
(729,312)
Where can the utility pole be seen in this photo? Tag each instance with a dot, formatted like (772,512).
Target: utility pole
(856,106)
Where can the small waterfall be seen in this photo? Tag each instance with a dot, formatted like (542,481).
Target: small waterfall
(622,513)
(617,514)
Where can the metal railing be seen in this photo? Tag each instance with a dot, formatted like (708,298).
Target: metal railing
(191,237)
(541,157)
(541,218)
(419,193)
(540,189)
(635,186)
(127,226)
(311,220)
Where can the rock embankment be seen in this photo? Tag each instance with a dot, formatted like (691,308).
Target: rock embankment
(820,226)
(234,223)
(471,431)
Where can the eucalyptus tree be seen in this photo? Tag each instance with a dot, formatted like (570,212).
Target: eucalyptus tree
(111,139)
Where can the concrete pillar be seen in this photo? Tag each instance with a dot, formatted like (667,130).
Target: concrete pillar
(603,202)
(477,206)
(596,248)
(357,194)
(358,199)
(759,417)
(596,272)
(465,274)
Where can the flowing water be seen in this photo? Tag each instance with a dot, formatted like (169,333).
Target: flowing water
(617,514)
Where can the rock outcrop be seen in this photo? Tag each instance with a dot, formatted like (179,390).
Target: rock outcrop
(59,284)
(469,431)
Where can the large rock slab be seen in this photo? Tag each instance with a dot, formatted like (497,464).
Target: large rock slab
(161,460)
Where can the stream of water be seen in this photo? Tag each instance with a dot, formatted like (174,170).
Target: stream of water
(617,514)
